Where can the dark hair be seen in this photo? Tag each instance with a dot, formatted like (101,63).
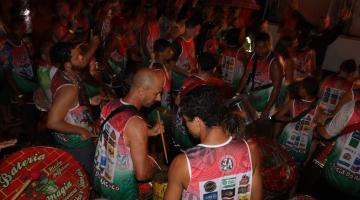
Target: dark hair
(206,61)
(161,45)
(60,53)
(283,44)
(234,124)
(348,66)
(311,85)
(203,102)
(232,36)
(192,22)
(262,37)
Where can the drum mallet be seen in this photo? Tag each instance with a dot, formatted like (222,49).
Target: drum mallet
(34,176)
(162,138)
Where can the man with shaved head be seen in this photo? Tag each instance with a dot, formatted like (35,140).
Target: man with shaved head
(121,158)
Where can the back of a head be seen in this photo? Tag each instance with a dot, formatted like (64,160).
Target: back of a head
(60,53)
(203,102)
(192,22)
(144,77)
(161,45)
(207,62)
(232,36)
(348,66)
(311,85)
(283,44)
(262,37)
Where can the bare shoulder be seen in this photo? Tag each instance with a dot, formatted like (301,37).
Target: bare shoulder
(178,170)
(136,126)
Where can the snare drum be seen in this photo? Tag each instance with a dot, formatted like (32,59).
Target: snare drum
(61,176)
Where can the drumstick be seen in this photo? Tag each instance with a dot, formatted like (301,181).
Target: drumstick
(162,137)
(33,176)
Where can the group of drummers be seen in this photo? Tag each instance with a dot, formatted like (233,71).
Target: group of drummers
(240,121)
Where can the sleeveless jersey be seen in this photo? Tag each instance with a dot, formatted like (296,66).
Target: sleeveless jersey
(262,87)
(232,69)
(331,91)
(45,73)
(342,168)
(19,60)
(296,137)
(166,101)
(219,171)
(187,58)
(117,62)
(78,115)
(302,64)
(153,30)
(181,137)
(114,172)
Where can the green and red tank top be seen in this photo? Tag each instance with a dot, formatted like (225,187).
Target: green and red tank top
(118,58)
(232,69)
(19,59)
(342,168)
(222,171)
(296,137)
(153,30)
(259,84)
(331,91)
(187,58)
(79,115)
(166,101)
(181,138)
(114,171)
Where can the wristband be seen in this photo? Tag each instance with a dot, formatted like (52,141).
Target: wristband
(71,31)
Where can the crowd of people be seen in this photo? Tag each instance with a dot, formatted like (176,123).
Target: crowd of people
(97,86)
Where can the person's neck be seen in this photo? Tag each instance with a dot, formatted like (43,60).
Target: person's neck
(160,60)
(204,75)
(132,99)
(309,98)
(342,74)
(187,36)
(214,136)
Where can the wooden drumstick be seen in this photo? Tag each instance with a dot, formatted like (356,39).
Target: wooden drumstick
(33,176)
(162,137)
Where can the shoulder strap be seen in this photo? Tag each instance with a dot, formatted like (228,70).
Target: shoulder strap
(252,75)
(116,111)
(350,128)
(305,112)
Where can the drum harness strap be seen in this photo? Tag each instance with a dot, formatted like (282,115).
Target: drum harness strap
(253,73)
(115,112)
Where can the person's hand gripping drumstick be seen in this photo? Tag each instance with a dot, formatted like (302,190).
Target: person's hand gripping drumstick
(34,176)
(162,136)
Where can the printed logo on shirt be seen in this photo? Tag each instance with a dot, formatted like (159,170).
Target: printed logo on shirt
(210,186)
(227,163)
(210,196)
